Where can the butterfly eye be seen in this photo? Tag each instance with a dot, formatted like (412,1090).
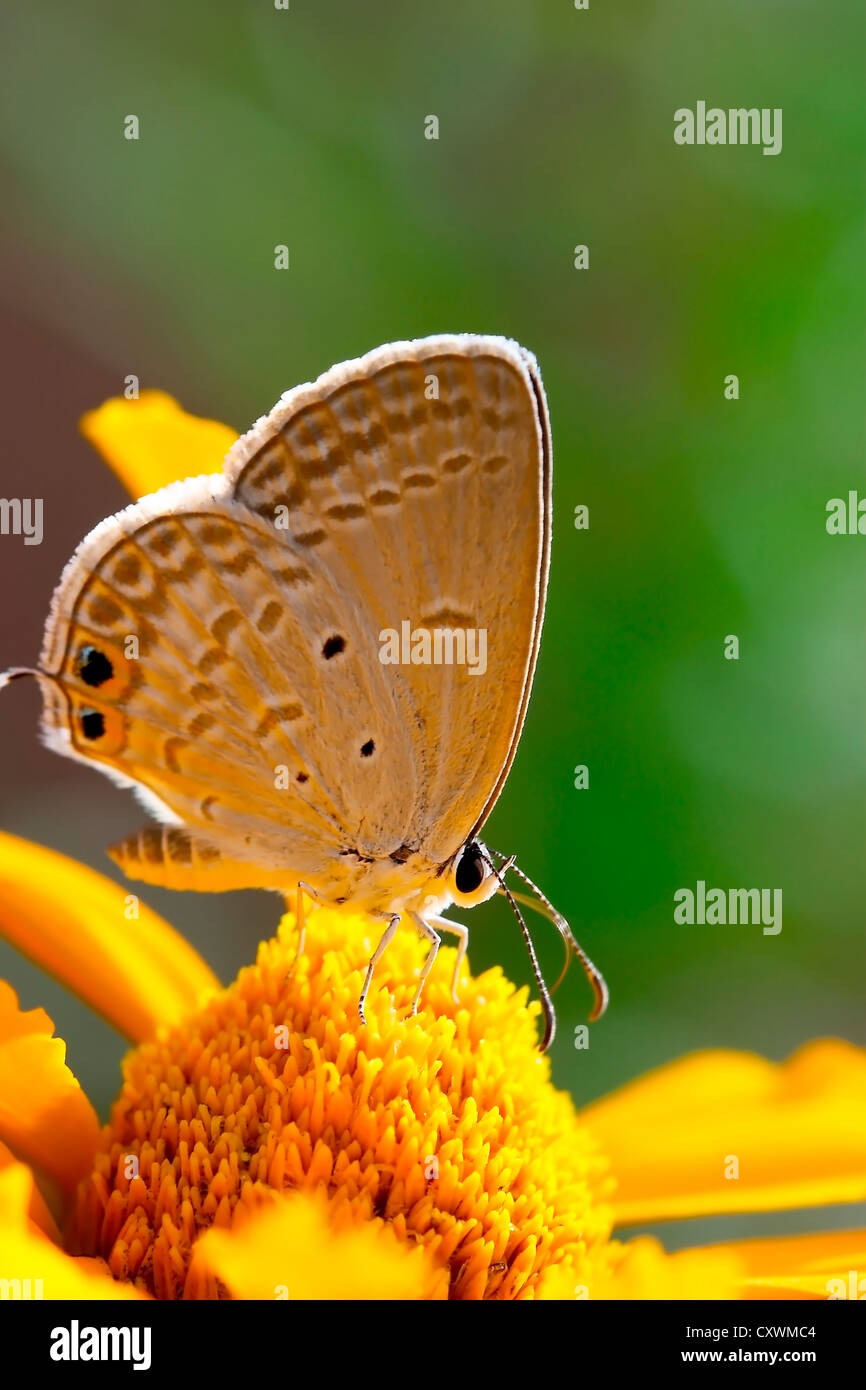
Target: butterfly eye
(94,667)
(471,870)
(92,723)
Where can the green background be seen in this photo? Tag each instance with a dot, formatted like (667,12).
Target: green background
(707,516)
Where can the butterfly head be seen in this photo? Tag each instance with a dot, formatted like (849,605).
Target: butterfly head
(473,878)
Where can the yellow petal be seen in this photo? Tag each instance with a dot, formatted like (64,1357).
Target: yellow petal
(137,973)
(785,1267)
(299,1248)
(795,1133)
(642,1269)
(38,1214)
(151,442)
(45,1117)
(829,1265)
(27,1255)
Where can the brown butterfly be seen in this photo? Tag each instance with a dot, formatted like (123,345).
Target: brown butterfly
(314,668)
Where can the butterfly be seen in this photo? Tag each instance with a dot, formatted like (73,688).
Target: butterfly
(277,658)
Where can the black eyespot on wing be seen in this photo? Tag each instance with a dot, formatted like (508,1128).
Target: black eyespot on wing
(333,647)
(469,873)
(367,748)
(302,777)
(92,723)
(94,667)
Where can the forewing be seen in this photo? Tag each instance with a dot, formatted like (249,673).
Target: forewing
(419,478)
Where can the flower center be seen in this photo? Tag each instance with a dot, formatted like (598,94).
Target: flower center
(445,1125)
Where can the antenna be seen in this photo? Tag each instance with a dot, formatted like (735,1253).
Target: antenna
(572,948)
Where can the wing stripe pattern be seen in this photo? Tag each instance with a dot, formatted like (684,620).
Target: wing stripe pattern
(409,487)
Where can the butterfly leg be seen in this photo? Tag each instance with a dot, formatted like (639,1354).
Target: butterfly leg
(435,940)
(311,892)
(300,923)
(393,920)
(462,933)
(300,915)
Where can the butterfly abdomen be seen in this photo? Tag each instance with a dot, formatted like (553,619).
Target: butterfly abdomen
(172,857)
(163,853)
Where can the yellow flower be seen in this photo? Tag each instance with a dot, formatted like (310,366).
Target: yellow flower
(151,442)
(266,1144)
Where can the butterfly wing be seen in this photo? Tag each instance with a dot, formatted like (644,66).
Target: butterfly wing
(217,644)
(190,649)
(420,475)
